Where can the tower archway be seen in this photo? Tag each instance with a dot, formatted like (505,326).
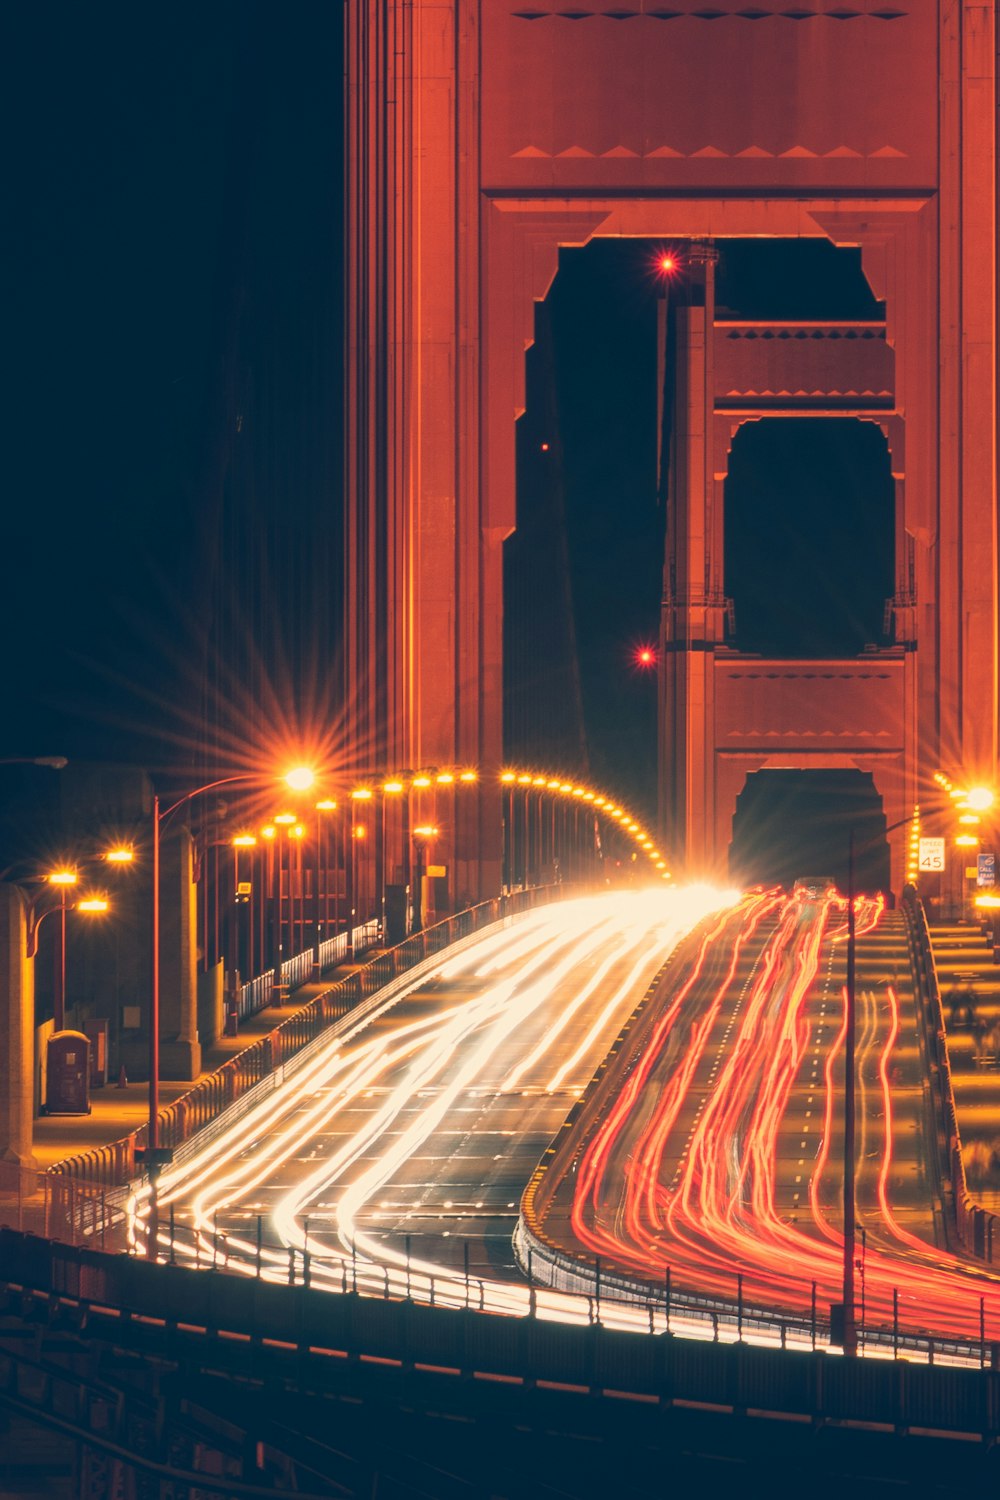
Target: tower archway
(809,523)
(790,823)
(483,138)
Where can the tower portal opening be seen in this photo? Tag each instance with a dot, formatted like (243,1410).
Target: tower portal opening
(790,823)
(809,536)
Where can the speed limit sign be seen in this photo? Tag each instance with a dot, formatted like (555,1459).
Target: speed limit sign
(931,855)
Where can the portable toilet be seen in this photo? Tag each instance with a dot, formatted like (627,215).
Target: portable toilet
(67,1072)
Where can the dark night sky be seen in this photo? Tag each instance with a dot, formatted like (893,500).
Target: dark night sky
(172,359)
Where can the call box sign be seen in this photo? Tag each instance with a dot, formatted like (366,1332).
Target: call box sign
(986,873)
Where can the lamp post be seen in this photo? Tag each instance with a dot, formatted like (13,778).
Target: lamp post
(243,897)
(321,868)
(283,823)
(154,1156)
(87,904)
(63,880)
(421,838)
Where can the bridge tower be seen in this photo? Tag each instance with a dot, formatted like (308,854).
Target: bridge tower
(486,134)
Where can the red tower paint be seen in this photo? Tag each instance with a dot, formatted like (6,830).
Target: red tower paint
(486,134)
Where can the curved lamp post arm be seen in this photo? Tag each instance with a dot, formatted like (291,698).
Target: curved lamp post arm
(34,921)
(54,762)
(208,787)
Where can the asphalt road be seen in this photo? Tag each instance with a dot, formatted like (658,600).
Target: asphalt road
(395,1156)
(720,1154)
(410,1138)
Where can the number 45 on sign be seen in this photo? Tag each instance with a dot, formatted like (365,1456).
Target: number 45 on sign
(931,854)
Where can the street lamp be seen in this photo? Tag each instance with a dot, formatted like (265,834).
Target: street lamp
(421,838)
(62,880)
(154,1156)
(321,868)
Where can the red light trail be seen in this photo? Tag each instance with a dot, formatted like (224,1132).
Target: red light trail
(690,1166)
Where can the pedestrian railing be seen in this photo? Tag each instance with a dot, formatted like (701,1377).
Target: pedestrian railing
(258,993)
(207,1320)
(978,1230)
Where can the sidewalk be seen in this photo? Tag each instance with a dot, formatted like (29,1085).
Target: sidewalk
(115,1111)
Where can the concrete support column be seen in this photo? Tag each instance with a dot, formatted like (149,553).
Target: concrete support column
(180,1049)
(17,1018)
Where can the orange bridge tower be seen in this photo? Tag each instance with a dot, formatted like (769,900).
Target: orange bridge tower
(486,134)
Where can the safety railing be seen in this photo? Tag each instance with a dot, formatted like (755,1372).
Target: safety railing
(978,1230)
(113,1166)
(258,992)
(123,1298)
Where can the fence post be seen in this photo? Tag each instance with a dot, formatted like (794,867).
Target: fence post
(895,1322)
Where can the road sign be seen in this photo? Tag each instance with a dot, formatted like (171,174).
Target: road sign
(931,854)
(986,874)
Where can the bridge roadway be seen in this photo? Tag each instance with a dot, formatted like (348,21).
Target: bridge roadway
(427,1117)
(718,1151)
(402,1148)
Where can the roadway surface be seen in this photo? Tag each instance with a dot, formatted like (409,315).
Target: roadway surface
(397,1152)
(411,1136)
(720,1153)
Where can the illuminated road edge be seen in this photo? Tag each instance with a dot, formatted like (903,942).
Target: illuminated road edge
(642,1202)
(207,1175)
(210,1176)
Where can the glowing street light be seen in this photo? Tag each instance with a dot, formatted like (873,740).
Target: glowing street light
(300,779)
(63,880)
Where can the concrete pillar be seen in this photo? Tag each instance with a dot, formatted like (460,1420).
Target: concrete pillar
(17,1018)
(180,1049)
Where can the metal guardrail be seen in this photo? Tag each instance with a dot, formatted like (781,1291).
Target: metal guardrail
(211,1317)
(978,1229)
(113,1166)
(257,993)
(123,1292)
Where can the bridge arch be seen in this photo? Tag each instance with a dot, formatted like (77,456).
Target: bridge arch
(790,822)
